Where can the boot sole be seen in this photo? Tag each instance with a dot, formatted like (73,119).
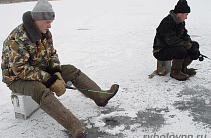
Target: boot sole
(180,79)
(103,104)
(82,135)
(190,75)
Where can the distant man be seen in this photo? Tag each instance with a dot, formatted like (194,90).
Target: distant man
(173,43)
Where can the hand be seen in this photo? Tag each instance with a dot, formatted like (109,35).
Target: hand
(58,87)
(195,44)
(194,52)
(60,77)
(188,45)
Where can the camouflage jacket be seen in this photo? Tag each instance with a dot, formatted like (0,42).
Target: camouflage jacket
(29,55)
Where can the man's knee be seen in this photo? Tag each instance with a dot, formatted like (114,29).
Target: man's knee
(40,91)
(180,53)
(70,73)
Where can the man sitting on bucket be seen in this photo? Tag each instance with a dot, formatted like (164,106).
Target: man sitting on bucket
(30,66)
(173,43)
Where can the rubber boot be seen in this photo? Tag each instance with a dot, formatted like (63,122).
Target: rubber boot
(84,84)
(176,70)
(53,107)
(185,70)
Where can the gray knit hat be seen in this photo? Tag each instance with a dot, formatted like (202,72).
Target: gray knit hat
(43,11)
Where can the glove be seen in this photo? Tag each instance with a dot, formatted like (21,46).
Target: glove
(60,77)
(195,44)
(188,45)
(194,52)
(58,87)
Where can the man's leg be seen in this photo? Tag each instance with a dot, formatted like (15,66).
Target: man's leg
(84,84)
(35,89)
(177,55)
(193,54)
(187,62)
(50,104)
(171,53)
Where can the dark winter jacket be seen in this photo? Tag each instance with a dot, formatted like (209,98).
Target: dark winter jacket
(171,33)
(28,54)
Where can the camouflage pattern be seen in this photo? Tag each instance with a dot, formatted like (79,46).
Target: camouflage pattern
(23,59)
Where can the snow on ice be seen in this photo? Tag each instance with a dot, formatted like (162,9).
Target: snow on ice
(111,41)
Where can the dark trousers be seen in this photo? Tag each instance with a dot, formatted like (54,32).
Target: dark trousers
(170,53)
(38,90)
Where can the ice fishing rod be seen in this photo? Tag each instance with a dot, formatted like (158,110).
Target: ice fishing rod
(69,86)
(201,57)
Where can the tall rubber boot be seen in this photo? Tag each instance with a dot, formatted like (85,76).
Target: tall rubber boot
(53,107)
(187,62)
(176,70)
(84,84)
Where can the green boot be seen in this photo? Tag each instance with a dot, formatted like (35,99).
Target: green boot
(84,83)
(185,70)
(176,70)
(53,107)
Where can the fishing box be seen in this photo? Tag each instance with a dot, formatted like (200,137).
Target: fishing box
(24,106)
(163,67)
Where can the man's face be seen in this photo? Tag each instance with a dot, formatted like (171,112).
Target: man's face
(43,25)
(182,16)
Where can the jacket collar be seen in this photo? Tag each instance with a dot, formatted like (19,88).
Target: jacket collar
(174,16)
(32,30)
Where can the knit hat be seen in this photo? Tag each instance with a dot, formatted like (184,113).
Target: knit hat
(182,7)
(43,11)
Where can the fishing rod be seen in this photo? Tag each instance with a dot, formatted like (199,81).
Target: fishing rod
(69,86)
(201,57)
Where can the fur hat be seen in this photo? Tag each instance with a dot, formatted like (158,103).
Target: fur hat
(182,7)
(43,11)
